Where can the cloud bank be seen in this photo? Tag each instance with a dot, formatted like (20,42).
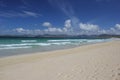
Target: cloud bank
(83,29)
(88,27)
(47,24)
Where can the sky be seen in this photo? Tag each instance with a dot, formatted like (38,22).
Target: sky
(72,17)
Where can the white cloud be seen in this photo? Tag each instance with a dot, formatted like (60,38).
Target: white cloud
(52,29)
(19,29)
(29,13)
(88,27)
(102,31)
(19,14)
(47,24)
(65,29)
(28,31)
(112,30)
(117,26)
(58,30)
(115,29)
(68,24)
(85,28)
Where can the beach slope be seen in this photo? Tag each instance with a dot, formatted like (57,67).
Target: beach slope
(99,61)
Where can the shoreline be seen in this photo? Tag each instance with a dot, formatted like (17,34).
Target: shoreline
(59,49)
(101,56)
(36,55)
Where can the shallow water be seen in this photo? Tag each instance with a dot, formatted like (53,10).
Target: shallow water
(13,46)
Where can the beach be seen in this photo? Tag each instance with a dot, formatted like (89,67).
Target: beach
(100,61)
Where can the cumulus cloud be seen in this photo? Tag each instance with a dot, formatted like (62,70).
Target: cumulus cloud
(84,29)
(117,26)
(114,30)
(68,10)
(19,29)
(68,24)
(63,30)
(47,24)
(88,27)
(53,30)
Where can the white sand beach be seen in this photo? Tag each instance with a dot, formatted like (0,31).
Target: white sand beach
(99,61)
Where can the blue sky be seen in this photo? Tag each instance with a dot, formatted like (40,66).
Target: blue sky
(59,17)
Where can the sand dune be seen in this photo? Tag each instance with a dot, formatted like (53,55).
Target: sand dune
(91,62)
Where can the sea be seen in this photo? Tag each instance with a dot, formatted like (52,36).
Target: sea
(19,46)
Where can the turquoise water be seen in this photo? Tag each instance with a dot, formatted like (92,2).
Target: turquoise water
(17,46)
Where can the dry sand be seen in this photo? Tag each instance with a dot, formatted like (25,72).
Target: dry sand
(91,62)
